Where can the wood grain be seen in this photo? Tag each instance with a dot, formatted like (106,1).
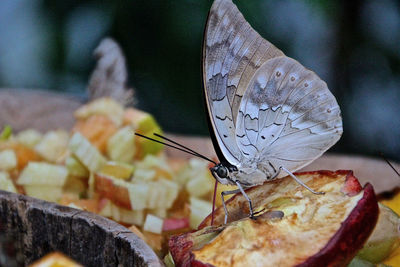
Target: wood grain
(35,227)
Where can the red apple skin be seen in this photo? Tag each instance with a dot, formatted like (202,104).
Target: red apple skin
(180,247)
(351,236)
(171,224)
(351,186)
(119,195)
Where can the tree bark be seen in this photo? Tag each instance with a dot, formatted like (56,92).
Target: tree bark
(31,228)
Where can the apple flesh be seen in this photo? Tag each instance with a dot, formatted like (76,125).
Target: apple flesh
(315,230)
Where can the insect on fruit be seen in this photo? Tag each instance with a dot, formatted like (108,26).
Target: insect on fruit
(269,116)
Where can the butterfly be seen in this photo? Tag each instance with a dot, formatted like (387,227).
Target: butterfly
(268,115)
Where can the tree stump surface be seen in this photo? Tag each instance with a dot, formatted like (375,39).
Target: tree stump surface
(33,228)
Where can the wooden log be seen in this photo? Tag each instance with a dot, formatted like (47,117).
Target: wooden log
(32,228)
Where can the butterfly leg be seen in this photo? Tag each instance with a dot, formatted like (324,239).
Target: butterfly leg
(224,193)
(247,198)
(300,182)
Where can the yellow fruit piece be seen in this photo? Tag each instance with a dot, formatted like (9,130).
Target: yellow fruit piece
(199,209)
(97,129)
(117,170)
(102,106)
(393,203)
(24,154)
(53,145)
(143,123)
(50,193)
(8,160)
(86,153)
(75,167)
(55,259)
(153,224)
(6,184)
(393,259)
(29,138)
(121,146)
(42,173)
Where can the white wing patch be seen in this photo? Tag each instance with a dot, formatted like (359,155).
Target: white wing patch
(287,116)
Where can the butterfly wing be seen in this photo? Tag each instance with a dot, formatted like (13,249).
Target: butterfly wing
(232,52)
(287,117)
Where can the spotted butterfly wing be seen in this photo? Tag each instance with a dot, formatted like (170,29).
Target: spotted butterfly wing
(266,110)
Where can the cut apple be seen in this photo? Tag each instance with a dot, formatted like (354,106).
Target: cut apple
(124,194)
(8,160)
(293,227)
(6,183)
(117,169)
(144,123)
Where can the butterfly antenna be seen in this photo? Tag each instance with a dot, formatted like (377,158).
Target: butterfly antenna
(388,162)
(178,148)
(185,147)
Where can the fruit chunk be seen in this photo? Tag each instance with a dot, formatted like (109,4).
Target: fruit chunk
(97,129)
(75,167)
(53,145)
(124,194)
(121,146)
(117,170)
(29,138)
(46,192)
(153,224)
(384,239)
(6,184)
(41,173)
(102,106)
(199,209)
(319,230)
(143,123)
(24,154)
(55,259)
(87,154)
(8,160)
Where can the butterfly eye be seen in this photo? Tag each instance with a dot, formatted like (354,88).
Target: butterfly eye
(222,172)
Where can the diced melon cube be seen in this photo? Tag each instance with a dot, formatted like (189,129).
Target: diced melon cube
(6,184)
(199,209)
(75,167)
(29,138)
(153,224)
(8,160)
(102,106)
(172,191)
(121,146)
(155,195)
(117,170)
(131,216)
(53,145)
(46,192)
(201,184)
(144,175)
(138,194)
(42,173)
(86,153)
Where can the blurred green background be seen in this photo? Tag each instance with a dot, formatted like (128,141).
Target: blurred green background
(353,45)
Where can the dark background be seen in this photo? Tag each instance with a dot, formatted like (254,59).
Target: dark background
(353,45)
